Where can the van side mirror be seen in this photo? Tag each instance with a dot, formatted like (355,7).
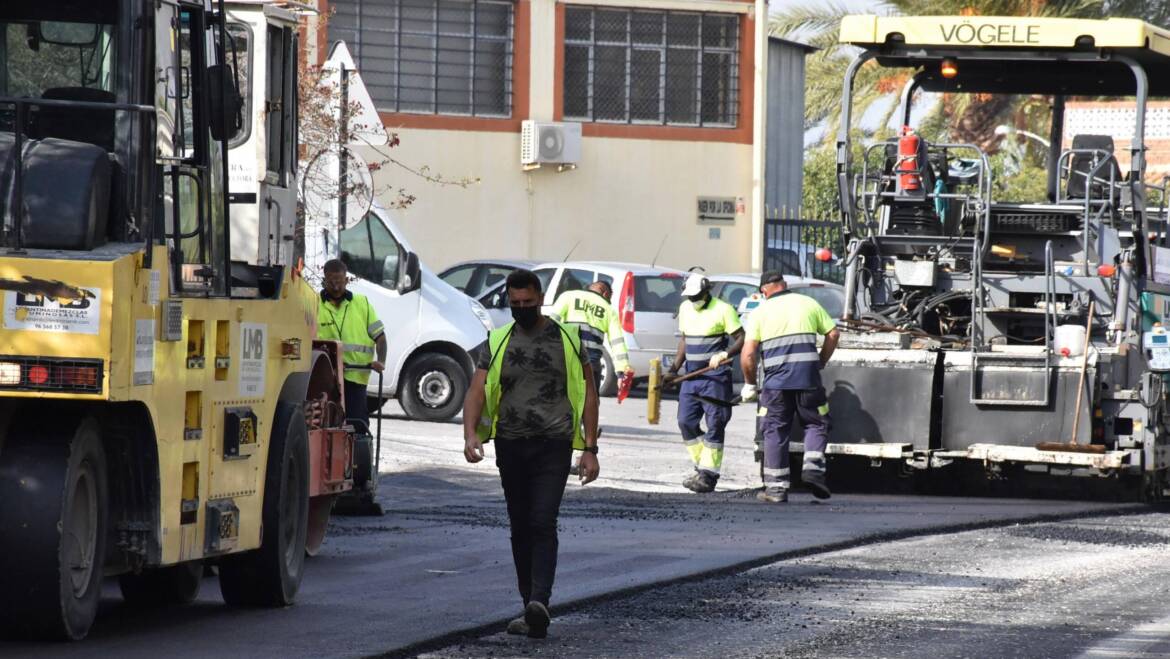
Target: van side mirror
(226,104)
(412,276)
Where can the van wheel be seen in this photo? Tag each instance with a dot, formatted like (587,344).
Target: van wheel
(433,388)
(175,584)
(271,575)
(609,379)
(54,485)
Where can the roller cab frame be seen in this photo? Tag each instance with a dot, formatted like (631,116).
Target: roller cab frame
(163,403)
(948,354)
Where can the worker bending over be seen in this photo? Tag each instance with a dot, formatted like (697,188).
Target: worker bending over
(786,327)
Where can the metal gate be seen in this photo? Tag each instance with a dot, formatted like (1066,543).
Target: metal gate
(791,244)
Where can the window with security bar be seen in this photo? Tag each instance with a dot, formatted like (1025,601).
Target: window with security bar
(450,57)
(651,67)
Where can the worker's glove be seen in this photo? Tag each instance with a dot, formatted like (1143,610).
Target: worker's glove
(748,393)
(718,358)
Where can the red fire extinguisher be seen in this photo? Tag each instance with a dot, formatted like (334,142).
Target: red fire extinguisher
(908,178)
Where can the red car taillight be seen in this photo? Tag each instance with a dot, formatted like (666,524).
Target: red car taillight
(626,304)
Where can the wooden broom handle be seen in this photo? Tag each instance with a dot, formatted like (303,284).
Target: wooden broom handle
(1081,379)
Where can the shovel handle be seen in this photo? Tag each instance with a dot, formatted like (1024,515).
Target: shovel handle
(670,381)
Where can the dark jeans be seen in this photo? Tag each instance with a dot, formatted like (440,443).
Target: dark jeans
(533,473)
(355,405)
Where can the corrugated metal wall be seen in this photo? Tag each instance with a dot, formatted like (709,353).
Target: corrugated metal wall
(784,150)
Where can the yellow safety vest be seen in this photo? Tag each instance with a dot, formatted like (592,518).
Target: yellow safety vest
(706,332)
(574,381)
(597,322)
(355,324)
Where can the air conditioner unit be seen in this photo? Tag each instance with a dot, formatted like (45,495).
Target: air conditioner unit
(543,142)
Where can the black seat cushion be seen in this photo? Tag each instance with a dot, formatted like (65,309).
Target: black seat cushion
(74,123)
(1082,165)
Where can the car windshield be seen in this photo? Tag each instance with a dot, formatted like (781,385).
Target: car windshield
(657,293)
(831,299)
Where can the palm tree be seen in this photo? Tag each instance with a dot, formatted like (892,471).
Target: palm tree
(967,118)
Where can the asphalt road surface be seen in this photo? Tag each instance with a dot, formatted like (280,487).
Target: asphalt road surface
(438,562)
(1087,588)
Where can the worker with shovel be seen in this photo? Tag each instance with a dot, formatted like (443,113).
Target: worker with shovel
(711,335)
(785,327)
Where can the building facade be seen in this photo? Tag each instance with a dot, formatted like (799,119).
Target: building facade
(1118,119)
(665,91)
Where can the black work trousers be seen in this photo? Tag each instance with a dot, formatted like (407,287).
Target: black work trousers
(356,407)
(533,473)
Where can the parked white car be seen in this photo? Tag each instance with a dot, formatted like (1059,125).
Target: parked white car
(646,297)
(431,327)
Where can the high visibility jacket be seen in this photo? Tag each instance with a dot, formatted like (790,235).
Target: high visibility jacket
(786,326)
(707,331)
(574,380)
(597,322)
(355,324)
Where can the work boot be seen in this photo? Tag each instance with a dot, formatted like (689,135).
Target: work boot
(773,495)
(537,618)
(689,481)
(518,627)
(814,481)
(703,483)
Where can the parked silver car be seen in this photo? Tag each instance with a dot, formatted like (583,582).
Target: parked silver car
(735,288)
(742,291)
(646,298)
(477,277)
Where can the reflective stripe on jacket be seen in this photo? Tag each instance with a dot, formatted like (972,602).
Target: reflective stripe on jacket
(574,380)
(598,322)
(786,326)
(355,324)
(706,332)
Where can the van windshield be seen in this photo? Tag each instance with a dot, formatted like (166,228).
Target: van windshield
(657,293)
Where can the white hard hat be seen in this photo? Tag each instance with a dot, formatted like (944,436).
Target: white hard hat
(696,284)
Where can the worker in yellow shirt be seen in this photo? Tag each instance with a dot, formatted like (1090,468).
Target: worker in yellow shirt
(711,336)
(350,318)
(590,311)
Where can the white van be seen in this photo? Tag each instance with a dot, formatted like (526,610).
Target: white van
(431,327)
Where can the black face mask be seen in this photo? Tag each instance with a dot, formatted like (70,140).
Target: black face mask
(526,317)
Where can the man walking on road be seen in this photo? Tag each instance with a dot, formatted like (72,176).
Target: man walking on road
(532,392)
(786,327)
(350,318)
(711,335)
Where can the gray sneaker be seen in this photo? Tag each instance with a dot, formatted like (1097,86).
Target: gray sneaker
(537,618)
(775,495)
(518,627)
